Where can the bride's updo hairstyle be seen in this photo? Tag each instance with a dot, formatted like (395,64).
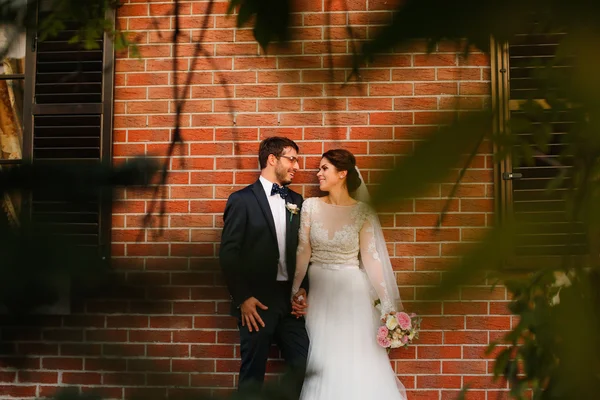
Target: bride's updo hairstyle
(343,160)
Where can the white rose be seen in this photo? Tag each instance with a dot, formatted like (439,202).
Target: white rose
(556,299)
(396,344)
(561,279)
(391,322)
(292,207)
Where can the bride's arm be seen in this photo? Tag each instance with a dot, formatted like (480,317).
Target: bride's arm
(304,250)
(373,265)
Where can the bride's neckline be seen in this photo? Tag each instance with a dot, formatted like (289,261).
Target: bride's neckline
(336,205)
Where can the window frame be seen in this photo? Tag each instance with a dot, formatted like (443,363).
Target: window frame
(106,110)
(502,105)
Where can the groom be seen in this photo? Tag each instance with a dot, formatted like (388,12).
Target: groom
(258,259)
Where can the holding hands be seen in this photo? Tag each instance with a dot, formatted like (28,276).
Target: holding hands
(299,304)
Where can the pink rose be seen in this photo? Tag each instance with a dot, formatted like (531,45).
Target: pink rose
(382,332)
(403,320)
(404,339)
(383,341)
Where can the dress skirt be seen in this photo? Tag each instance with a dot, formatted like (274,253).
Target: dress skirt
(344,359)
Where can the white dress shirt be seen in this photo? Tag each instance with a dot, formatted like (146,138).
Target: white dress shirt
(277,205)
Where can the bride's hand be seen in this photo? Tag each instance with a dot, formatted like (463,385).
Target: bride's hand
(299,303)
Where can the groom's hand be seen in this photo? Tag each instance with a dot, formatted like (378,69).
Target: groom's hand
(250,316)
(299,303)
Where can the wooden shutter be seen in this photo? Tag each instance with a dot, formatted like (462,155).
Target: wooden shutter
(71,123)
(548,233)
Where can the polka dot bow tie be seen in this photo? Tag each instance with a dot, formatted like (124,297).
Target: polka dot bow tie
(282,190)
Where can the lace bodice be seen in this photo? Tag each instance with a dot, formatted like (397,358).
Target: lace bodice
(331,234)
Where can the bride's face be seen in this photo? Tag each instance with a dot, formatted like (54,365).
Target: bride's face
(329,177)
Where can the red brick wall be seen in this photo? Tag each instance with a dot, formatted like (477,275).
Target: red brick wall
(169,318)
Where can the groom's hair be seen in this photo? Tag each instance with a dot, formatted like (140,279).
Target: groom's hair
(273,145)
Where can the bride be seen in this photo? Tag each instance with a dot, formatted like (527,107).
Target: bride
(342,240)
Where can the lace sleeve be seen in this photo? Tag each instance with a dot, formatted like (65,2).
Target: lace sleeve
(304,250)
(372,262)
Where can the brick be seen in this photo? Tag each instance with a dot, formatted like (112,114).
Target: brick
(464,367)
(171,322)
(443,323)
(20,391)
(370,104)
(235,105)
(436,89)
(124,379)
(256,91)
(490,323)
(439,381)
(105,364)
(333,133)
(193,366)
(418,367)
(81,378)
(194,336)
(325,104)
(62,363)
(167,350)
(435,60)
(301,90)
(149,336)
(274,105)
(474,88)
(485,382)
(212,380)
(413,74)
(438,352)
(458,74)
(8,376)
(391,89)
(38,377)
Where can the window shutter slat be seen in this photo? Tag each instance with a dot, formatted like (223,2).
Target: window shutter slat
(548,234)
(71,124)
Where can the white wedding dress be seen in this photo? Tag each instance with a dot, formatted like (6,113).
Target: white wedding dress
(345,277)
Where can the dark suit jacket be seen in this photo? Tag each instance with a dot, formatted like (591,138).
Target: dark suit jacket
(249,253)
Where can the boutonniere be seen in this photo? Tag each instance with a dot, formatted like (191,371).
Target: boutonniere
(293,209)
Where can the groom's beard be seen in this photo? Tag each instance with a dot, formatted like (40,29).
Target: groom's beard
(281,173)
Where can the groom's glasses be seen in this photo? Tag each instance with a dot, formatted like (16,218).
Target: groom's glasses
(292,159)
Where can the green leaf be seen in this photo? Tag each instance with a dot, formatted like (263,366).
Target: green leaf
(232,5)
(415,19)
(462,395)
(432,159)
(247,9)
(501,363)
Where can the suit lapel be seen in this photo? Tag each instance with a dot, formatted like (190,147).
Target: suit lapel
(261,197)
(291,224)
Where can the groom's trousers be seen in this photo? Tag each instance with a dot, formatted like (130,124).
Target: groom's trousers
(282,328)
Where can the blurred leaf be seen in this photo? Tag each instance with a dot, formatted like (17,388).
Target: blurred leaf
(433,158)
(462,395)
(437,20)
(272,19)
(474,266)
(73,394)
(37,258)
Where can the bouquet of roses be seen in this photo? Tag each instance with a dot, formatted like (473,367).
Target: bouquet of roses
(399,329)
